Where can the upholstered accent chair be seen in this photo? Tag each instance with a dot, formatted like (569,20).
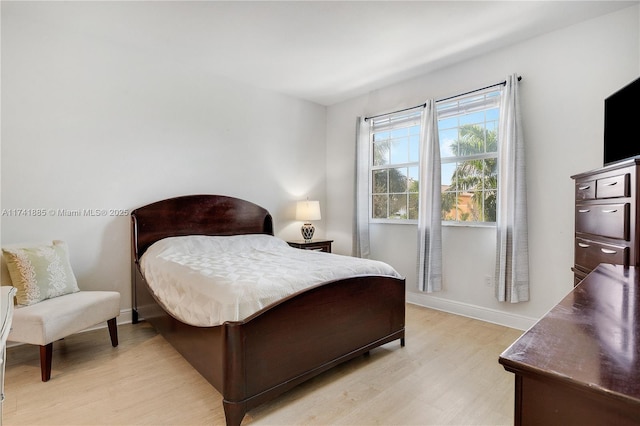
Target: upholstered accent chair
(49,304)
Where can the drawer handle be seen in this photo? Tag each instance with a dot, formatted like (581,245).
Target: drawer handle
(612,183)
(583,245)
(584,211)
(610,211)
(607,251)
(583,188)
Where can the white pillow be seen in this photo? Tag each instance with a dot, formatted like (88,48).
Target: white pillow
(40,272)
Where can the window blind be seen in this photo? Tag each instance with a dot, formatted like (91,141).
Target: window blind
(468,104)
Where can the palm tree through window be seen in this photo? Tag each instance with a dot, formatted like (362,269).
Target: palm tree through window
(468,136)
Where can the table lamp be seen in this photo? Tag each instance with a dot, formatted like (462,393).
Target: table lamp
(307,211)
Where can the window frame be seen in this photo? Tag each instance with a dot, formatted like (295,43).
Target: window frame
(417,113)
(482,106)
(404,119)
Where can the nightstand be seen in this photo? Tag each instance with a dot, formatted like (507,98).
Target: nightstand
(317,245)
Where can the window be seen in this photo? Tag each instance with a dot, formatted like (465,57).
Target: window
(468,133)
(395,145)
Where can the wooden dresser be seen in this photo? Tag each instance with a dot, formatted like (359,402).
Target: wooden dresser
(606,219)
(580,364)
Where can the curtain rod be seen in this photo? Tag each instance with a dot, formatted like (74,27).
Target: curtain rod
(502,83)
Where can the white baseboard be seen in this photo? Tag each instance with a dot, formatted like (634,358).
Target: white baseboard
(123,318)
(518,322)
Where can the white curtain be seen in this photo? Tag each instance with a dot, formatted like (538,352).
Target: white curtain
(361,225)
(429,215)
(512,248)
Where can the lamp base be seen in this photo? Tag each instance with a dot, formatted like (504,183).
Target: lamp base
(307,231)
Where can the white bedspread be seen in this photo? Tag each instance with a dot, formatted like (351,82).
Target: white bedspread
(205,281)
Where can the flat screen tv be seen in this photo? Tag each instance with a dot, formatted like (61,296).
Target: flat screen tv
(621,114)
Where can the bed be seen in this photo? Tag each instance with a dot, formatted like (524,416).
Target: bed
(254,359)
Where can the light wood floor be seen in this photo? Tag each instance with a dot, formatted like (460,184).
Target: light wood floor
(447,374)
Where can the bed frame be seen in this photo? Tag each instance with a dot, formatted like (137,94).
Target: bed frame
(252,361)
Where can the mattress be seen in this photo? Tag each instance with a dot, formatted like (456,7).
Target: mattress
(205,281)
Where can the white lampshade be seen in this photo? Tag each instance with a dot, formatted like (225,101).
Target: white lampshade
(308,210)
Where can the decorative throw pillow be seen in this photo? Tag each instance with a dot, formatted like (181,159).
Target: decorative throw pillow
(40,272)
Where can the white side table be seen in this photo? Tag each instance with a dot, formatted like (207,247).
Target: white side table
(6,316)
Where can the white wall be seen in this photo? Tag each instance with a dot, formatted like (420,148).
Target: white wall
(566,76)
(91,124)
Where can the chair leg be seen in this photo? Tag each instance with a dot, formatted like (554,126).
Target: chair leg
(46,354)
(113,331)
(46,351)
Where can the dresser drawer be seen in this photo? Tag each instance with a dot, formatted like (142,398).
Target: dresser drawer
(613,187)
(589,254)
(607,220)
(585,190)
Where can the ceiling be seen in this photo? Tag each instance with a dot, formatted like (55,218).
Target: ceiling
(327,51)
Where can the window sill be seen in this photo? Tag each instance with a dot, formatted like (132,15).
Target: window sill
(392,222)
(447,224)
(469,224)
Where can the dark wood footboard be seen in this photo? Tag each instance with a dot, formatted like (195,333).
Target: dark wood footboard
(306,334)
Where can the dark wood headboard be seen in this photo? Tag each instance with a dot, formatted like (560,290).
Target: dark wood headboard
(196,215)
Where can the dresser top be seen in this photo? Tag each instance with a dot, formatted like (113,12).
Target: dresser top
(591,339)
(610,167)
